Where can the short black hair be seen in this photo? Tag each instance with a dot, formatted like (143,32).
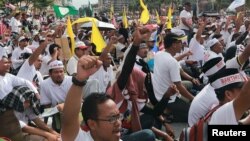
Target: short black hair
(90,104)
(187,4)
(217,36)
(235,36)
(230,53)
(51,48)
(169,39)
(220,92)
(17,14)
(210,63)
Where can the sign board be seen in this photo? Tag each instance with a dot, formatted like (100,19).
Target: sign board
(64,44)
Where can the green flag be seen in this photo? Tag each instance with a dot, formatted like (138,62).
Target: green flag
(90,9)
(62,11)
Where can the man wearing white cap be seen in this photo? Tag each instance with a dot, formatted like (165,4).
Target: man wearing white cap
(80,50)
(203,102)
(214,48)
(54,89)
(233,99)
(36,38)
(18,53)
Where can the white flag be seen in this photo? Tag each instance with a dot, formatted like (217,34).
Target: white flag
(235,4)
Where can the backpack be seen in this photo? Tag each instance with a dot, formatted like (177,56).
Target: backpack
(198,132)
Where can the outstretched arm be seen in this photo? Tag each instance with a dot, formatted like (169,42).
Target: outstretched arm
(87,65)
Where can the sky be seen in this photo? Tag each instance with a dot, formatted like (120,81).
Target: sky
(79,3)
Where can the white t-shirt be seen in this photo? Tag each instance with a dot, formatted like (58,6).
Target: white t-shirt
(225,115)
(9,81)
(25,116)
(210,55)
(119,47)
(201,104)
(32,72)
(22,124)
(54,94)
(185,50)
(72,65)
(15,25)
(103,77)
(37,22)
(197,50)
(188,16)
(166,72)
(86,136)
(137,65)
(45,66)
(16,56)
(225,35)
(229,40)
(231,44)
(243,29)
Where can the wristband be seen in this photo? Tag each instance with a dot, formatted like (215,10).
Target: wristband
(79,83)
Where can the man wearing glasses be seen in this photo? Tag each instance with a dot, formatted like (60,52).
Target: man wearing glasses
(99,111)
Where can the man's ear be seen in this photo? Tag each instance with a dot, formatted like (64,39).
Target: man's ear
(229,95)
(91,124)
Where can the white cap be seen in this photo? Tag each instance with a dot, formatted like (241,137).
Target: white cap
(178,32)
(35,33)
(51,32)
(212,42)
(81,45)
(22,38)
(56,65)
(195,30)
(143,45)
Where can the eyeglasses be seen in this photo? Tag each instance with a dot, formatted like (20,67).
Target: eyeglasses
(112,119)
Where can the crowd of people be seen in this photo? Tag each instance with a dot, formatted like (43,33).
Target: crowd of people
(144,79)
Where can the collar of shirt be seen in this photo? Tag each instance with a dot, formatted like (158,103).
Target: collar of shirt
(76,57)
(61,85)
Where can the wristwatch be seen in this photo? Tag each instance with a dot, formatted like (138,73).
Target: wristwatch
(79,83)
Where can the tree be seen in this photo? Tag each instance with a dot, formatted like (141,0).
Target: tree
(41,4)
(248,4)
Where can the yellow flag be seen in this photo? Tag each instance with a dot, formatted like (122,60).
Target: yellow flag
(169,25)
(142,5)
(111,11)
(71,35)
(157,17)
(96,38)
(145,13)
(124,18)
(83,20)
